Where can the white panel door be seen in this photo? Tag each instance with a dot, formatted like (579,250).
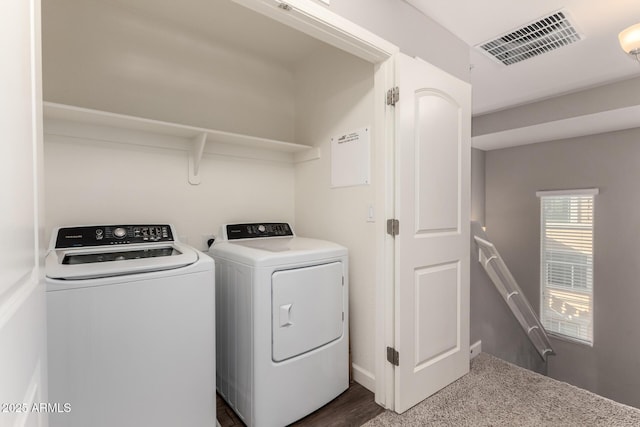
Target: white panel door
(22,302)
(433,118)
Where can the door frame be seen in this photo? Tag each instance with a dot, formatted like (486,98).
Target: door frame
(22,290)
(321,23)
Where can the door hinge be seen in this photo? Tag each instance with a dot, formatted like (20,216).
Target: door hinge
(393,356)
(393,227)
(393,96)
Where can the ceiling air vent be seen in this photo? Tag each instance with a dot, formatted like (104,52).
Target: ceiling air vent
(542,36)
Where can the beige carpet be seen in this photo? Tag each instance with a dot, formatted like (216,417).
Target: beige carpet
(497,393)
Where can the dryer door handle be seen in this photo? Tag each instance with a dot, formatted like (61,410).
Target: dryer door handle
(285,315)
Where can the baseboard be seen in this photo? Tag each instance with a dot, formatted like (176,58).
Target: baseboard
(364,378)
(475,349)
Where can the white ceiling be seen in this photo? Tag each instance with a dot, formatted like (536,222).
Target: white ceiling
(593,61)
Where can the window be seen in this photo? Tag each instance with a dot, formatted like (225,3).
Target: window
(566,267)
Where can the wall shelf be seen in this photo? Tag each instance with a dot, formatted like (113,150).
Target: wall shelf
(83,123)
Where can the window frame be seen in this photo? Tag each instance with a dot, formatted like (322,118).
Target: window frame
(544,288)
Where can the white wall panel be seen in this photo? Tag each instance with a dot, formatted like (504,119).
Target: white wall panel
(415,33)
(97,182)
(167,61)
(22,308)
(17,255)
(335,95)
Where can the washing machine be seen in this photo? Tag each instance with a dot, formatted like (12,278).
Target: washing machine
(281,322)
(131,328)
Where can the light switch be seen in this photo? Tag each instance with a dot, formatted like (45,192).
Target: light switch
(371,216)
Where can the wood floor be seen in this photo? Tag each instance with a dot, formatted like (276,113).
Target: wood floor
(352,408)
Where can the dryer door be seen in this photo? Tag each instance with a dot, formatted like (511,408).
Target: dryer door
(307,309)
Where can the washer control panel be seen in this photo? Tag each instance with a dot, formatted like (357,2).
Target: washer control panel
(260,229)
(101,235)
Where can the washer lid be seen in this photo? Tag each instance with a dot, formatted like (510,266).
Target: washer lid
(107,261)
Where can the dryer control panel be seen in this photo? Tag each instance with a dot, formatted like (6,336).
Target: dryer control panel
(256,230)
(101,235)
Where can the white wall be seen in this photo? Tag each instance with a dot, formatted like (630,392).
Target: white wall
(92,182)
(171,63)
(412,31)
(110,56)
(334,94)
(618,95)
(22,296)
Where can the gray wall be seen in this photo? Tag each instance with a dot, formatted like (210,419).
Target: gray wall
(491,320)
(477,185)
(412,31)
(610,162)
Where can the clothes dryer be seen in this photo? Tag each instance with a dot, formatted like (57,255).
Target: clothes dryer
(281,322)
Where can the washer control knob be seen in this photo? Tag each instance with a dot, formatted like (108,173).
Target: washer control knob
(119,232)
(262,228)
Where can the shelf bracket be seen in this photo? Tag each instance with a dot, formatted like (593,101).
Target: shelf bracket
(195,157)
(311,153)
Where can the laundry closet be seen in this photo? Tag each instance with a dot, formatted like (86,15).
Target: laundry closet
(200,113)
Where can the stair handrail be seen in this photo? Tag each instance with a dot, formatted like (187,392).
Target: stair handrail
(506,284)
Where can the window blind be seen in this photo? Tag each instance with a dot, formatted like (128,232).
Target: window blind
(566,274)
